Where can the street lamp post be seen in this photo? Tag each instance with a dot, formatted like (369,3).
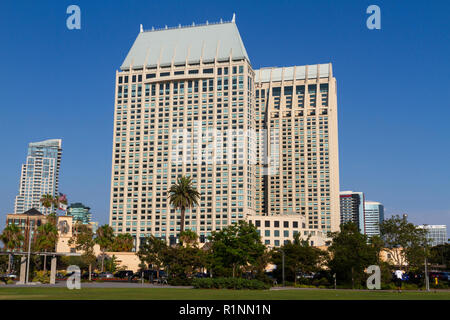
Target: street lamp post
(427,280)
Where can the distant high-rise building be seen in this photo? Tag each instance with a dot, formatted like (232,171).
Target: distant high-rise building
(39,175)
(373,216)
(80,212)
(436,234)
(352,208)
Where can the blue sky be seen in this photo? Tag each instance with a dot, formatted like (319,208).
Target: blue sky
(393,87)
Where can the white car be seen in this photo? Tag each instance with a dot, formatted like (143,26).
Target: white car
(106,275)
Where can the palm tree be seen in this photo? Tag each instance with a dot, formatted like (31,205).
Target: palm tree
(123,242)
(12,238)
(105,239)
(47,200)
(46,238)
(183,195)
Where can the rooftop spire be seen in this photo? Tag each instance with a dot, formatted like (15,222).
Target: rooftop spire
(141,28)
(234,17)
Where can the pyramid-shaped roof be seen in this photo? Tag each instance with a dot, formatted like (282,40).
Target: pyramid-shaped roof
(186,45)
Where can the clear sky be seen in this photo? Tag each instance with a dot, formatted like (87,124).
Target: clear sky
(393,87)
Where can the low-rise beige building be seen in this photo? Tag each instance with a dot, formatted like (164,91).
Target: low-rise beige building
(278,229)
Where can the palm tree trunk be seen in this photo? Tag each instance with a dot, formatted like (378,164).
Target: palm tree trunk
(90,268)
(103,259)
(182,219)
(9,263)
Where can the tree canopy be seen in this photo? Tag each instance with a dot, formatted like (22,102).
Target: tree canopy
(233,247)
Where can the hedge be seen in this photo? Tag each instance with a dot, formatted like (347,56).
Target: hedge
(229,283)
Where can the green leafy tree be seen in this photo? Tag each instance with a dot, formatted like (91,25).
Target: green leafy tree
(83,239)
(299,257)
(183,261)
(46,239)
(182,196)
(12,239)
(440,255)
(123,242)
(378,245)
(110,264)
(233,247)
(350,254)
(151,252)
(406,243)
(105,239)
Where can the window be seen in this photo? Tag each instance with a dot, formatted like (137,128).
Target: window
(267,224)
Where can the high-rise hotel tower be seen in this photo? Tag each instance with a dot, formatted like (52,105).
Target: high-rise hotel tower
(198,80)
(39,175)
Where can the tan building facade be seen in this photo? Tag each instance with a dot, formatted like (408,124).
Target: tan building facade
(187,102)
(278,230)
(203,86)
(298,105)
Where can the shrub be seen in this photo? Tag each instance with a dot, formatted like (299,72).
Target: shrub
(179,281)
(229,283)
(42,277)
(321,282)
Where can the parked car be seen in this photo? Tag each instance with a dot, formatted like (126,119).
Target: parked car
(86,275)
(201,275)
(124,274)
(442,276)
(106,275)
(11,276)
(150,275)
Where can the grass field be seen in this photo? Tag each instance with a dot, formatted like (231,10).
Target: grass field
(198,294)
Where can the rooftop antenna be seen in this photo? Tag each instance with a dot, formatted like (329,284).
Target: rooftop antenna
(221,21)
(207,22)
(166,26)
(153,28)
(234,18)
(193,24)
(141,28)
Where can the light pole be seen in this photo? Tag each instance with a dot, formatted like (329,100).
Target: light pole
(427,280)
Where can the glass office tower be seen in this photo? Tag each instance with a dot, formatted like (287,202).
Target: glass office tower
(39,175)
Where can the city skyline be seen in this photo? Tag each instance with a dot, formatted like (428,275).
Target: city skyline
(77,168)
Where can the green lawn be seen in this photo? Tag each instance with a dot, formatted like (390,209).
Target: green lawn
(199,294)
